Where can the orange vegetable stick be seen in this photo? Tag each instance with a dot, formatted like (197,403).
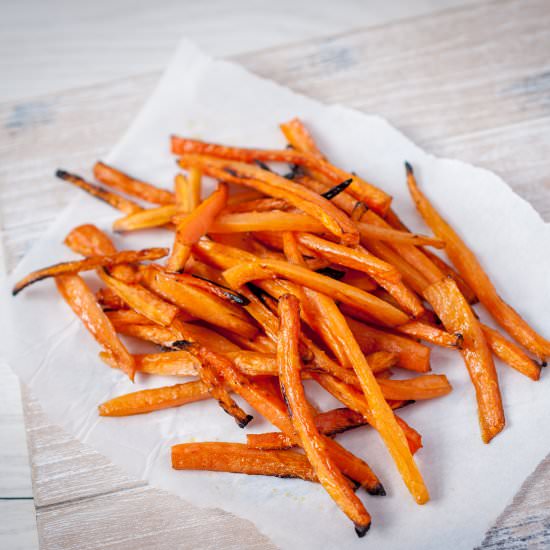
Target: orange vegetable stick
(199,303)
(116,201)
(123,182)
(196,224)
(82,301)
(411,355)
(141,300)
(299,137)
(511,353)
(276,186)
(427,386)
(63,268)
(89,240)
(148,218)
(314,445)
(146,401)
(266,204)
(429,333)
(457,316)
(240,459)
(470,269)
(373,196)
(267,268)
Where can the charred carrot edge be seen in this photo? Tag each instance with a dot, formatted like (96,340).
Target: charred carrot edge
(288,360)
(373,196)
(199,303)
(217,390)
(195,225)
(148,218)
(266,268)
(470,269)
(240,459)
(455,313)
(123,182)
(429,333)
(83,302)
(63,268)
(156,399)
(511,353)
(276,186)
(116,201)
(427,386)
(141,300)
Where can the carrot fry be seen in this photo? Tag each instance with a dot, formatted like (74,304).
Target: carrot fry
(146,401)
(429,333)
(266,221)
(470,269)
(141,300)
(199,303)
(266,268)
(195,225)
(447,270)
(427,386)
(89,240)
(411,355)
(511,353)
(116,201)
(276,186)
(457,317)
(194,181)
(358,259)
(266,204)
(123,182)
(353,399)
(288,360)
(82,301)
(163,336)
(359,188)
(394,236)
(181,194)
(110,301)
(145,218)
(298,136)
(63,268)
(380,361)
(209,376)
(240,459)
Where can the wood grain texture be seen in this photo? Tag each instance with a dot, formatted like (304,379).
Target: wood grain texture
(468,84)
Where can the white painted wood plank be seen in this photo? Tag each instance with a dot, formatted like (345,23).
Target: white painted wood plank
(15,477)
(50,46)
(18,525)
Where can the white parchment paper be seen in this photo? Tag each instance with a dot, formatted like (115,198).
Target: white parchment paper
(470,483)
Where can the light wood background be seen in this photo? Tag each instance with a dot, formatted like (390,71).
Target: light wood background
(470,83)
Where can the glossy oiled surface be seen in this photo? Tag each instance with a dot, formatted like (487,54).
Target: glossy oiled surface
(470,83)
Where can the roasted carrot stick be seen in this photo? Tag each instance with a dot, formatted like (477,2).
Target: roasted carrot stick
(266,268)
(89,240)
(455,313)
(123,182)
(266,204)
(373,196)
(116,201)
(199,303)
(83,302)
(266,221)
(148,218)
(470,269)
(427,386)
(146,401)
(299,137)
(276,186)
(110,301)
(63,268)
(141,300)
(240,459)
(314,445)
(511,353)
(429,333)
(196,224)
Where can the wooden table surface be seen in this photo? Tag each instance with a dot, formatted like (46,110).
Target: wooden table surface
(468,83)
